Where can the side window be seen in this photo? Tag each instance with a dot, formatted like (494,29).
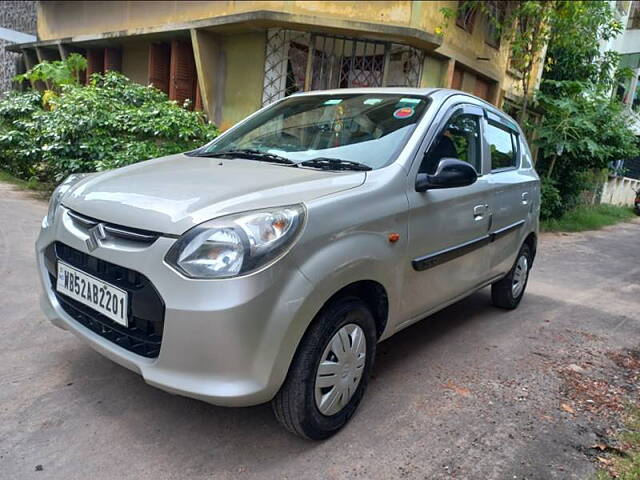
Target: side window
(460,138)
(503,146)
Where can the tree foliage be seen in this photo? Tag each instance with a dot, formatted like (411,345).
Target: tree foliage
(579,27)
(582,132)
(107,124)
(56,73)
(584,128)
(526,27)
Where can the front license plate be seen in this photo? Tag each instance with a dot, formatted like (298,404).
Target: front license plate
(103,297)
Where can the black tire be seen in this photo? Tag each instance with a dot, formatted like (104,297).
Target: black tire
(502,294)
(295,405)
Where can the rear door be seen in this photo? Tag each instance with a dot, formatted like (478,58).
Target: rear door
(448,228)
(513,189)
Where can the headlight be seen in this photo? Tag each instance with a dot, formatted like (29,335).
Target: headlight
(59,192)
(236,244)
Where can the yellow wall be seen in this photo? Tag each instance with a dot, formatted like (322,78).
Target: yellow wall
(60,19)
(244,55)
(239,70)
(433,72)
(135,61)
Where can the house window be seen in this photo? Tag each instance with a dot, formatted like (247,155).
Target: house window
(405,66)
(298,61)
(495,16)
(466,16)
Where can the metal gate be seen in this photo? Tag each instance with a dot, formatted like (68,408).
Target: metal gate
(301,61)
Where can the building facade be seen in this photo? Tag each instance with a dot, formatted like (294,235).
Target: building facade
(232,57)
(17,25)
(627,44)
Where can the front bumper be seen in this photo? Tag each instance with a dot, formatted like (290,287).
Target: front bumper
(228,342)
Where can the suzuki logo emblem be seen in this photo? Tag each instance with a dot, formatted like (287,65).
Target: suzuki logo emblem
(96,236)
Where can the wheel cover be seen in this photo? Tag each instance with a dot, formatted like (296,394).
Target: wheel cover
(340,369)
(520,276)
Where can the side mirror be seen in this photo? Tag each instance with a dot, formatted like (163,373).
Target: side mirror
(450,173)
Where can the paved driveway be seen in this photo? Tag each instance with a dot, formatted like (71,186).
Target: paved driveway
(473,392)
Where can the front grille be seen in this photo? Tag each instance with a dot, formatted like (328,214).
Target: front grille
(146,307)
(85,223)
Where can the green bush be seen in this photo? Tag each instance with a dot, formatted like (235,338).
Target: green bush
(550,200)
(107,124)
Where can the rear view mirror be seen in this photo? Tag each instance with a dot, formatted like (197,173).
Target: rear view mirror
(450,173)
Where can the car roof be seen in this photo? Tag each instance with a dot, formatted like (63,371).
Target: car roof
(372,90)
(438,94)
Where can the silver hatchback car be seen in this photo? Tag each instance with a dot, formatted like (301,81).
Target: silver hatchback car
(266,265)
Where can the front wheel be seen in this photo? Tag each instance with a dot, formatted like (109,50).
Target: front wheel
(330,371)
(507,292)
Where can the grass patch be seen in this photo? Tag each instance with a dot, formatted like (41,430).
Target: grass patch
(591,217)
(626,467)
(44,188)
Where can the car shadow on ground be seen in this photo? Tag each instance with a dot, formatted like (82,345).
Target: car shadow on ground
(88,370)
(222,440)
(114,392)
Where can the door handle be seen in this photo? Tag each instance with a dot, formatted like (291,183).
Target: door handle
(525,198)
(479,211)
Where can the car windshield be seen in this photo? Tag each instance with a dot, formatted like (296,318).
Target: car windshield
(343,129)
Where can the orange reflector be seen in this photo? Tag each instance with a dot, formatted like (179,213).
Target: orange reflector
(394,237)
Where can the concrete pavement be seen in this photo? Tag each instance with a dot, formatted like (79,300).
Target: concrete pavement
(473,392)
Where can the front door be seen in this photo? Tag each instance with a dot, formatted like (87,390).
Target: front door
(448,228)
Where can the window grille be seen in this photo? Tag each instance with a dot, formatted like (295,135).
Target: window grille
(299,61)
(496,15)
(285,64)
(405,66)
(466,16)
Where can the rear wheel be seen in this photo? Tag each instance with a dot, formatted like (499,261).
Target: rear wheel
(507,292)
(330,371)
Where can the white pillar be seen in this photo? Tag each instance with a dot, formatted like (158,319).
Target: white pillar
(631,93)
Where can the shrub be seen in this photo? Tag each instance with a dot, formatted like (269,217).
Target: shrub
(110,123)
(550,200)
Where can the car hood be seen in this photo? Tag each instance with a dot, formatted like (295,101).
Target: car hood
(172,194)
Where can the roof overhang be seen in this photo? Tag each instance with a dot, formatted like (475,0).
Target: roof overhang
(257,20)
(14,36)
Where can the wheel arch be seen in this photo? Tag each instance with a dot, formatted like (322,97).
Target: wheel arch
(532,241)
(372,293)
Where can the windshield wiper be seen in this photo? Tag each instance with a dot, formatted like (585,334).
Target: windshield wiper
(250,154)
(326,163)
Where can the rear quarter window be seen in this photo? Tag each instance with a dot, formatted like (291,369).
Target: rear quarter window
(526,161)
(503,147)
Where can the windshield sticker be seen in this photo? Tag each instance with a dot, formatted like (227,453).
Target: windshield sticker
(372,101)
(333,101)
(404,112)
(410,101)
